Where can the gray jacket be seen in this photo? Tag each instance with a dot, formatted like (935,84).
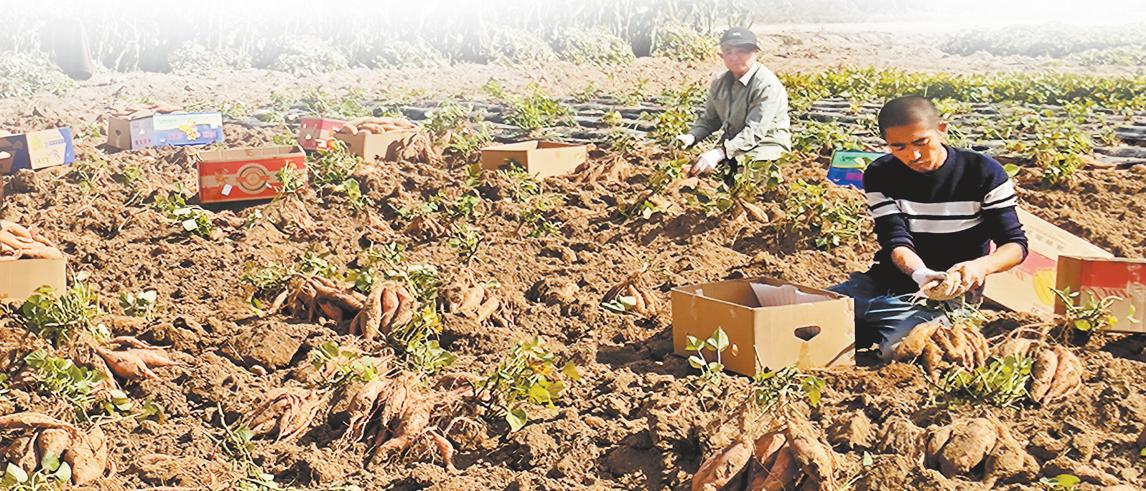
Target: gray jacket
(751,111)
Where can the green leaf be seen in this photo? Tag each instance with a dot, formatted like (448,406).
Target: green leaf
(64,473)
(696,362)
(570,371)
(721,339)
(692,344)
(50,462)
(715,366)
(1011,170)
(539,394)
(867,460)
(516,419)
(15,473)
(1082,325)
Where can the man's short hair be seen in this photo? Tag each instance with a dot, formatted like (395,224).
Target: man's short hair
(907,110)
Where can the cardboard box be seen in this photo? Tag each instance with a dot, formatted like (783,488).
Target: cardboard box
(540,158)
(767,320)
(1027,287)
(848,166)
(314,133)
(37,150)
(19,279)
(242,174)
(170,129)
(372,147)
(1098,278)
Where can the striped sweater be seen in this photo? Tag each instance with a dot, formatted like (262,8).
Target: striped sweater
(946,216)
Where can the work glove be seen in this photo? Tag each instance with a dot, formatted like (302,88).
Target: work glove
(937,285)
(706,162)
(686,140)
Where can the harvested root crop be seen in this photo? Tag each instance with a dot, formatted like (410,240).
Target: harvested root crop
(287,413)
(426,227)
(477,300)
(318,296)
(39,436)
(18,242)
(611,169)
(393,414)
(632,295)
(132,359)
(791,457)
(137,111)
(750,212)
(961,447)
(949,288)
(940,347)
(375,125)
(389,305)
(1055,371)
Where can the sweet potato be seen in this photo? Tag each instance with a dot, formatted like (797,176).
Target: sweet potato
(1043,369)
(1067,376)
(911,346)
(34,420)
(970,443)
(715,471)
(88,456)
(784,471)
(287,413)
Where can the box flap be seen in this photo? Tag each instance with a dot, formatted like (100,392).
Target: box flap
(774,296)
(525,145)
(248,153)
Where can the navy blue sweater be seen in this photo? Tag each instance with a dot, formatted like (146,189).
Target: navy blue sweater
(947,216)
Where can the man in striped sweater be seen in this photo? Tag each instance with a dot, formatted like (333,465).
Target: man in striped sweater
(936,210)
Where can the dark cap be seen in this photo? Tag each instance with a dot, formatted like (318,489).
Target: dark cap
(739,36)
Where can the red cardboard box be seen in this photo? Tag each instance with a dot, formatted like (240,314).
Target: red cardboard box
(1101,277)
(315,132)
(242,174)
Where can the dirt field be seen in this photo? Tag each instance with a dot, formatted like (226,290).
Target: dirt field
(633,421)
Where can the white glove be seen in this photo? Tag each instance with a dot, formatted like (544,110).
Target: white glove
(707,162)
(686,140)
(937,285)
(923,276)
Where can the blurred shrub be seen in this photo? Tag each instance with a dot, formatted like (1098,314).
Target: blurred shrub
(683,43)
(592,47)
(25,74)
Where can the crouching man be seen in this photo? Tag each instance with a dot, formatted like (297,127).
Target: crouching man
(936,210)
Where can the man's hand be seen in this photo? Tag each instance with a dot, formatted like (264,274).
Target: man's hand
(706,162)
(974,274)
(686,140)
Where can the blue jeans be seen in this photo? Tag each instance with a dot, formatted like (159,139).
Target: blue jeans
(888,317)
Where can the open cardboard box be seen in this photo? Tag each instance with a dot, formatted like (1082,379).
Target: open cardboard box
(315,132)
(768,321)
(36,150)
(1100,277)
(372,146)
(1027,287)
(20,278)
(165,129)
(540,158)
(242,174)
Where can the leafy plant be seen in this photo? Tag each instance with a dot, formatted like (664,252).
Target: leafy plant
(57,318)
(1002,383)
(192,219)
(711,371)
(775,391)
(139,304)
(650,200)
(682,43)
(332,169)
(1091,314)
(528,376)
(346,366)
(1061,482)
(237,442)
(78,386)
(466,241)
(290,179)
(831,222)
(52,474)
(536,110)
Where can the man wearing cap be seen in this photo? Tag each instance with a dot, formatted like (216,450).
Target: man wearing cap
(747,103)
